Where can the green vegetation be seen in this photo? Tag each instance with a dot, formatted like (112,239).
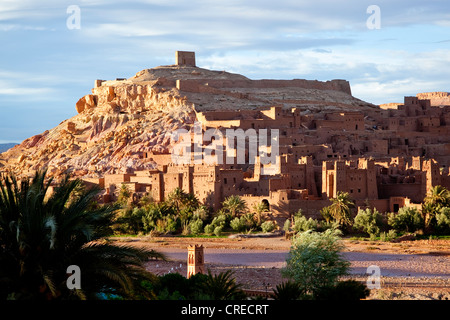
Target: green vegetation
(183,214)
(41,235)
(234,205)
(432,218)
(433,209)
(314,267)
(369,221)
(340,209)
(406,220)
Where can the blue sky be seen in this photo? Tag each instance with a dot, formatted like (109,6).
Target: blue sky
(45,67)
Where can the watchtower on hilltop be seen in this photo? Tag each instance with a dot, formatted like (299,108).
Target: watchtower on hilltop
(185,58)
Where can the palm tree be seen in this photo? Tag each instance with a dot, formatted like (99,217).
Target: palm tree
(340,208)
(181,200)
(222,286)
(259,208)
(437,198)
(235,205)
(42,234)
(288,290)
(176,198)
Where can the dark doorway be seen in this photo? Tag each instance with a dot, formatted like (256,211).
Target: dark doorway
(266,202)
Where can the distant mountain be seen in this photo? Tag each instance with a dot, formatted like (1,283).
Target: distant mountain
(5,146)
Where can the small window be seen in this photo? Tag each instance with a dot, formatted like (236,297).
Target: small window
(225,180)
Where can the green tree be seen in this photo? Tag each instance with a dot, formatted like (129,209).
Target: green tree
(288,290)
(369,221)
(443,220)
(235,205)
(130,220)
(222,286)
(340,209)
(326,214)
(314,261)
(437,198)
(301,223)
(259,209)
(184,204)
(406,219)
(42,234)
(124,195)
(181,200)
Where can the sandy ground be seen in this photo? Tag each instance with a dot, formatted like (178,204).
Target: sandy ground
(417,270)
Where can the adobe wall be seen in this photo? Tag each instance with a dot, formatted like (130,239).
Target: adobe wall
(116,179)
(310,208)
(414,191)
(195,85)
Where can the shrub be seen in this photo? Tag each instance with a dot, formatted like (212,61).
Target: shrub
(196,226)
(130,221)
(209,229)
(124,195)
(287,225)
(153,213)
(238,224)
(344,290)
(220,220)
(185,228)
(268,226)
(288,290)
(301,223)
(407,219)
(443,220)
(201,213)
(368,221)
(166,224)
(249,221)
(171,283)
(391,235)
(314,261)
(218,230)
(326,214)
(222,287)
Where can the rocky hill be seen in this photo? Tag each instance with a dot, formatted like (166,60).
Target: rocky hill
(123,119)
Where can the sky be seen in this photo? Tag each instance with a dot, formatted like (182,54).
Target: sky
(52,51)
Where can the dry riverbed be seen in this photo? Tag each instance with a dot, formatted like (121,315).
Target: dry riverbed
(417,270)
